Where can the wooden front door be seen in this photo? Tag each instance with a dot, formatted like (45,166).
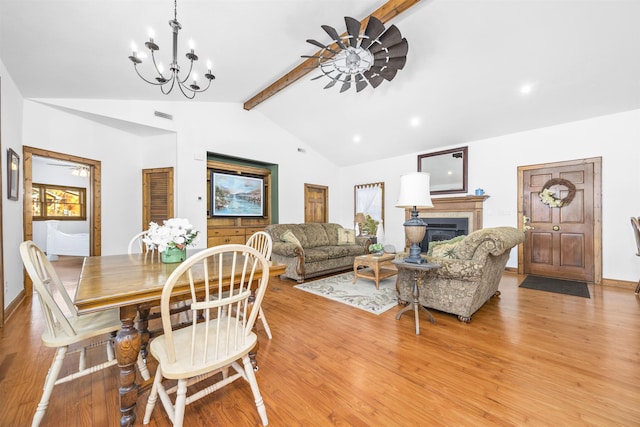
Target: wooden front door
(316,203)
(157,196)
(564,242)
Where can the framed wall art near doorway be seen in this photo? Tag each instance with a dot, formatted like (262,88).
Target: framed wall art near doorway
(13,174)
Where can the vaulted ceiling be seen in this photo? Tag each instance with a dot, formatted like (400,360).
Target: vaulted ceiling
(466,65)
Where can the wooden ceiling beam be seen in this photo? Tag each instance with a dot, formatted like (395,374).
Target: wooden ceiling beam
(384,13)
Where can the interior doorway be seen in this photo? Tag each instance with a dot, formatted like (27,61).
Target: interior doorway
(95,210)
(566,232)
(316,203)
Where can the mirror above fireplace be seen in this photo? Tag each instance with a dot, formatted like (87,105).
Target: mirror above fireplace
(448,170)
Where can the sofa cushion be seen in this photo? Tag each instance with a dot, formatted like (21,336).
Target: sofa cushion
(346,237)
(332,232)
(316,235)
(289,237)
(315,255)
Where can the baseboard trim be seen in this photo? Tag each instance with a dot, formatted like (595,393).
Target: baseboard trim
(13,306)
(625,284)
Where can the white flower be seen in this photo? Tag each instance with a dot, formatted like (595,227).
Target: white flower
(548,197)
(174,233)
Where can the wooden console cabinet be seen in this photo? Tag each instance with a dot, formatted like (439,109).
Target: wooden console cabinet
(236,230)
(229,235)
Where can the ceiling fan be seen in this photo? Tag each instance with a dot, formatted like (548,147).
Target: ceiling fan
(372,56)
(76,169)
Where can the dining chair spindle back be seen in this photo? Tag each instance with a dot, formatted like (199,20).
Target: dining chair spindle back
(66,328)
(220,337)
(261,241)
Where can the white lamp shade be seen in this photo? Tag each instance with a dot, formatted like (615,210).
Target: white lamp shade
(414,191)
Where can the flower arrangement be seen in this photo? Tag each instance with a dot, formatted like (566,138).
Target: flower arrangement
(548,197)
(375,247)
(174,233)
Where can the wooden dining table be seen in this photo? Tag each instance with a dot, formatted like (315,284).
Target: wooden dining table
(132,283)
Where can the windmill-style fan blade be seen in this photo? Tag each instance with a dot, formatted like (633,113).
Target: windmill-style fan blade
(394,51)
(388,73)
(374,79)
(331,84)
(318,77)
(320,45)
(374,29)
(346,85)
(391,36)
(334,35)
(397,63)
(316,56)
(353,28)
(333,81)
(361,83)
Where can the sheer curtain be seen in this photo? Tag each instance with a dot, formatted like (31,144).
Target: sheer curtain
(369,199)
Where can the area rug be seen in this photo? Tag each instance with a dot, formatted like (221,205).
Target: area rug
(567,287)
(363,294)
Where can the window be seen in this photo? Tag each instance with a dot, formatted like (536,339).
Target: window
(58,202)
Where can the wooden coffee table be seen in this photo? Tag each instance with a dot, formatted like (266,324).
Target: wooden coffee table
(376,267)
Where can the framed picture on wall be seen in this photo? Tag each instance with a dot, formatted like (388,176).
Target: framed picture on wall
(13,174)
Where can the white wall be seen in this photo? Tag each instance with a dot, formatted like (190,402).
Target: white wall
(493,165)
(127,140)
(122,153)
(11,134)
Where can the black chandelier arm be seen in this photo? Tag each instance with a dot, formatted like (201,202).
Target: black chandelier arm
(192,93)
(188,74)
(155,66)
(162,87)
(156,83)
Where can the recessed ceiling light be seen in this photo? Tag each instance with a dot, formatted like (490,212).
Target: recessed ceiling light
(357,138)
(526,89)
(415,122)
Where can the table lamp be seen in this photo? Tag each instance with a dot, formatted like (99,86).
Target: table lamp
(359,219)
(414,193)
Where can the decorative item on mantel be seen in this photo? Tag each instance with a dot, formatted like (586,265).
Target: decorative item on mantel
(414,193)
(171,239)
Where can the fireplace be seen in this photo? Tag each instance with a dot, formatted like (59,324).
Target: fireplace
(443,229)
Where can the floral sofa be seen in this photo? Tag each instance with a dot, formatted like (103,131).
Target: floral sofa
(470,272)
(310,250)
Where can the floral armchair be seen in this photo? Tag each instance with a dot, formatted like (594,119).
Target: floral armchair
(470,272)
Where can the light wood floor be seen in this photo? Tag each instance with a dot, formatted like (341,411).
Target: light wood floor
(527,358)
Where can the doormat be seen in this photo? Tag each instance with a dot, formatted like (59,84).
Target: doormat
(559,286)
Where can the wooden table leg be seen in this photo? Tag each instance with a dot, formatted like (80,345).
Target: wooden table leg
(127,348)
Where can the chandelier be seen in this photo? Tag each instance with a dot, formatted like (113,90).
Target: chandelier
(81,171)
(167,83)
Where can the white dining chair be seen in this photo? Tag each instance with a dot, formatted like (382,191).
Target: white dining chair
(221,281)
(63,330)
(262,241)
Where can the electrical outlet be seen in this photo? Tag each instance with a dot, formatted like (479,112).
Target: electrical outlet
(6,287)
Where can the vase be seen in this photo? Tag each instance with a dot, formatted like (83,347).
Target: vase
(173,255)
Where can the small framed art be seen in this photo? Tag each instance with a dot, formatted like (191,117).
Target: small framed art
(13,174)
